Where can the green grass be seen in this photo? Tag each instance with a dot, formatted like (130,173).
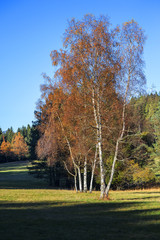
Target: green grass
(31,213)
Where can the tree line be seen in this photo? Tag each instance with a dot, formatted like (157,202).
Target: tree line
(19,145)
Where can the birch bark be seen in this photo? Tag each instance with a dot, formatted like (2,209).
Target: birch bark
(85,175)
(93,169)
(74,175)
(118,140)
(97,116)
(80,178)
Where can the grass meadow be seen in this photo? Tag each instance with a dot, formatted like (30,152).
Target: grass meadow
(30,211)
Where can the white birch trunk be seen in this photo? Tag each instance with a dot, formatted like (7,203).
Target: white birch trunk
(101,170)
(118,140)
(74,175)
(112,170)
(80,179)
(97,117)
(85,175)
(75,180)
(93,169)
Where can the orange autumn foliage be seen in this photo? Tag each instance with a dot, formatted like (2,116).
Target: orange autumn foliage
(5,148)
(19,146)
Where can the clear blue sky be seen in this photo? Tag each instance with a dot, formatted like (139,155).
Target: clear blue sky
(30,29)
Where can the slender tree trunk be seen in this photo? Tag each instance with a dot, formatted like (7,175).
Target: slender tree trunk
(75,180)
(93,169)
(97,117)
(112,170)
(101,170)
(75,183)
(85,175)
(118,140)
(74,175)
(80,179)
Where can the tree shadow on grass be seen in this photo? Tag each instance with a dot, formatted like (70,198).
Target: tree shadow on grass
(142,198)
(14,175)
(73,221)
(147,192)
(24,184)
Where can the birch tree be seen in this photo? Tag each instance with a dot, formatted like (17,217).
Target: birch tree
(97,71)
(88,61)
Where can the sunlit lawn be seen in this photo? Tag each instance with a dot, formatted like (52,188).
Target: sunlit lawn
(28,212)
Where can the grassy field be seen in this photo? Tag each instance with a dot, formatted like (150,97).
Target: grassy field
(15,175)
(28,211)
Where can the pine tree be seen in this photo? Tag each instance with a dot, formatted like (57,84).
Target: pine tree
(1,136)
(9,134)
